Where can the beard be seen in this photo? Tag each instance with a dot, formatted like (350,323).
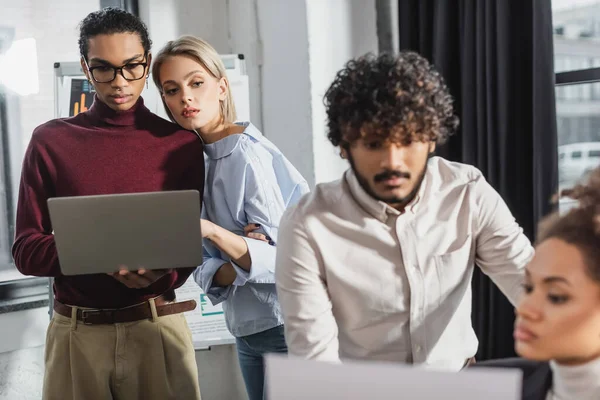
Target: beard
(393,201)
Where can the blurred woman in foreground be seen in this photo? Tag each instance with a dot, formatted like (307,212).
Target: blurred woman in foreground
(557,330)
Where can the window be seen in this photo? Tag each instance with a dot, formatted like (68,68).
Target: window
(577,66)
(34,35)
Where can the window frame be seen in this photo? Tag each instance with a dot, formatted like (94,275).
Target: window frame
(569,82)
(7,179)
(577,77)
(27,291)
(6,205)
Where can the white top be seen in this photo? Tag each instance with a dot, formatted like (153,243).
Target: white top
(579,382)
(358,279)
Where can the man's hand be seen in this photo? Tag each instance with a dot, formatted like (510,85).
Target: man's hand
(249,232)
(139,279)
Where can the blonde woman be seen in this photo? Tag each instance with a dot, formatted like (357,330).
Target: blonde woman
(249,184)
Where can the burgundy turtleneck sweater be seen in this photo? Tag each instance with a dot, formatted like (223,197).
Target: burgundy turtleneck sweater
(100,151)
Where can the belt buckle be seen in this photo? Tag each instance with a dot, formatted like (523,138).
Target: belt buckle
(84,316)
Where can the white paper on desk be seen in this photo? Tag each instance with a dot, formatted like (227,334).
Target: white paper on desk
(295,379)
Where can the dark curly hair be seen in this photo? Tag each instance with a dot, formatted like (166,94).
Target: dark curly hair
(400,99)
(108,21)
(580,226)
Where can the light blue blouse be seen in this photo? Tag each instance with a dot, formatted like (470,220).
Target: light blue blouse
(248,180)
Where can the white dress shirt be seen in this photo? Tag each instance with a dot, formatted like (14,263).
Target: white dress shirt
(358,279)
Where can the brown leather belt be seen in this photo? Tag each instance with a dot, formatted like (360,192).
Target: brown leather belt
(137,312)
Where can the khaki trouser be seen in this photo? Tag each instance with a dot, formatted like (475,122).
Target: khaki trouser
(142,360)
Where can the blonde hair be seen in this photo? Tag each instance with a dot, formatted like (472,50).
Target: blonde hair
(207,56)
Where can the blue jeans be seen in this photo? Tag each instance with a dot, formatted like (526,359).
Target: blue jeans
(251,350)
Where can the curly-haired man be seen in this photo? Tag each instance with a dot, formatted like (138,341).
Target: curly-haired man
(378,265)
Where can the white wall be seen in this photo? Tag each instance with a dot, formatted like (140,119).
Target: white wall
(286,82)
(293,49)
(272,35)
(169,19)
(338,30)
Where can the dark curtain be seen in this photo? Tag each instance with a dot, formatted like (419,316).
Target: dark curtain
(497,59)
(131,6)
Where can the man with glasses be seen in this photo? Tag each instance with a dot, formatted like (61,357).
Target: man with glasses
(137,345)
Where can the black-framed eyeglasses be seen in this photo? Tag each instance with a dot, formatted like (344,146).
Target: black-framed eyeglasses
(107,73)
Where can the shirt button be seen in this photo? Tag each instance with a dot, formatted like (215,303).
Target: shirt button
(418,348)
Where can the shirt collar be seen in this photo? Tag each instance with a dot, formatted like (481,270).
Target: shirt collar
(377,208)
(224,147)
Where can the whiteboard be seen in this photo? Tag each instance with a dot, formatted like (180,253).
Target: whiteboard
(207,322)
(74,94)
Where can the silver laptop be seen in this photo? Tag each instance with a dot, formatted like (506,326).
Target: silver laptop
(97,234)
(359,380)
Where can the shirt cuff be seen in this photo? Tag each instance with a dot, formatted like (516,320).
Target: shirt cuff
(204,278)
(262,255)
(244,276)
